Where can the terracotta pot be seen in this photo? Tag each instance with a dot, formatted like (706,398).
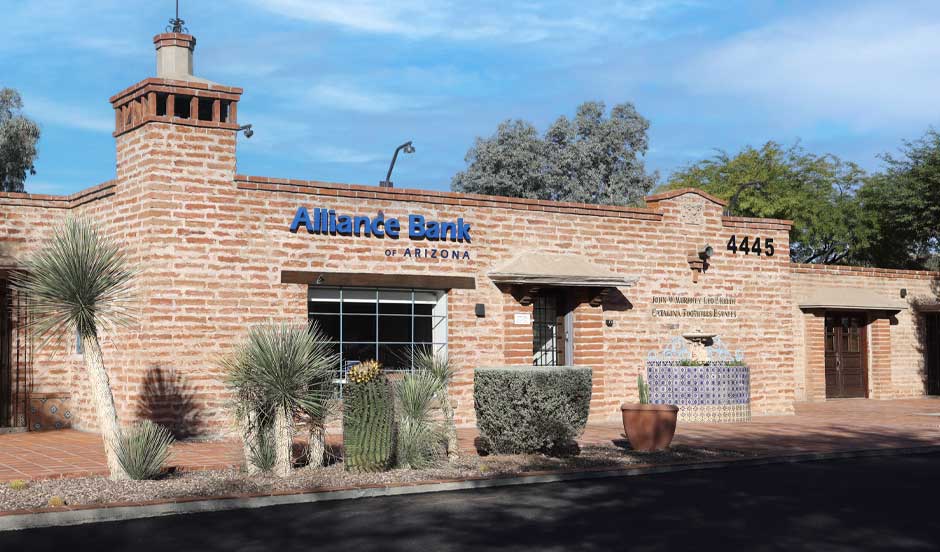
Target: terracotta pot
(649,427)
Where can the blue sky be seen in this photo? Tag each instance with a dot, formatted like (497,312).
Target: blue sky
(332,86)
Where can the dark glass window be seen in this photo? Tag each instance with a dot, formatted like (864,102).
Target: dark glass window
(388,325)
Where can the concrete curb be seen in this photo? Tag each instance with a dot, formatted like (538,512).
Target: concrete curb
(16,522)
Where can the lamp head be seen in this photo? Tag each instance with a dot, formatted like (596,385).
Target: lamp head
(706,252)
(409,148)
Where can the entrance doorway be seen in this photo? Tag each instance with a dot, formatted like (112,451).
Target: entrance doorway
(552,331)
(932,352)
(846,356)
(14,359)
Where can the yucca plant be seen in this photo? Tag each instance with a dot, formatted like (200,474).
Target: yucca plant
(439,365)
(79,282)
(143,448)
(261,452)
(284,369)
(422,437)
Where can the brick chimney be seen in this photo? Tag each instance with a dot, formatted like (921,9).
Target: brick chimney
(158,114)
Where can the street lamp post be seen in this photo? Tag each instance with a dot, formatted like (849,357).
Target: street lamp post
(408,148)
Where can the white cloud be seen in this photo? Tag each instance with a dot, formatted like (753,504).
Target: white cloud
(83,117)
(332,154)
(349,97)
(867,68)
(505,21)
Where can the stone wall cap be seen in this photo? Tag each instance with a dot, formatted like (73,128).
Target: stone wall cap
(849,298)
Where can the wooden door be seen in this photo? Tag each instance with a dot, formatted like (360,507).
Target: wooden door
(932,345)
(846,356)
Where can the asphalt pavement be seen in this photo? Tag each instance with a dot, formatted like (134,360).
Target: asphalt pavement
(885,503)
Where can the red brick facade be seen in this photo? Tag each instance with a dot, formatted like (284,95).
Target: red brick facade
(210,247)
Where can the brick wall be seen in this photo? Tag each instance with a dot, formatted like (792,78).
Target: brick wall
(896,341)
(210,247)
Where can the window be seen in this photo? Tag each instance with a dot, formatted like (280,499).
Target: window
(388,325)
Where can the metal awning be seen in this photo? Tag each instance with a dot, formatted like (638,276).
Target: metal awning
(849,298)
(548,269)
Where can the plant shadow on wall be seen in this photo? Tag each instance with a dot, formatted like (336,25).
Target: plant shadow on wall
(169,400)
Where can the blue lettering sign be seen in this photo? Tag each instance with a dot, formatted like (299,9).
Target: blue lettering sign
(327,221)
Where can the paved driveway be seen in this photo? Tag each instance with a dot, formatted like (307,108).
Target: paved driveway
(864,504)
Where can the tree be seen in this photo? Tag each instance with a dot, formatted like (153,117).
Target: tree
(903,205)
(18,138)
(281,371)
(591,159)
(79,283)
(816,192)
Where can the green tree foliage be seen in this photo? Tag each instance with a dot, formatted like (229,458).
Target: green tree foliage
(902,204)
(591,159)
(816,192)
(18,138)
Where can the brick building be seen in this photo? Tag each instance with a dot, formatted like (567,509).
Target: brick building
(491,280)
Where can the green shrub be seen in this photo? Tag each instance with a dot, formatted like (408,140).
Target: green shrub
(368,424)
(523,409)
(143,448)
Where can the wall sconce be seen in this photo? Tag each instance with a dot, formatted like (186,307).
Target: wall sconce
(480,310)
(903,293)
(698,261)
(609,323)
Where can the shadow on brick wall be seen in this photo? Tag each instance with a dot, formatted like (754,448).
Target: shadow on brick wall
(168,400)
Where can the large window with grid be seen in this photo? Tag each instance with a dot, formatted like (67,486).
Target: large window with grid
(388,325)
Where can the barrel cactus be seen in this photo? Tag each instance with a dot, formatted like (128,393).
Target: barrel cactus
(368,419)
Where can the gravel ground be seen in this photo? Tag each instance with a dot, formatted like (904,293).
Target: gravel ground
(99,490)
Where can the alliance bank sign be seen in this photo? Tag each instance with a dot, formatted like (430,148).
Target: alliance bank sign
(326,221)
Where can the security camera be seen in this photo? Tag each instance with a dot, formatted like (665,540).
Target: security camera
(706,252)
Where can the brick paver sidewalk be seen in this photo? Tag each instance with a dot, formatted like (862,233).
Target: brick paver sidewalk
(843,425)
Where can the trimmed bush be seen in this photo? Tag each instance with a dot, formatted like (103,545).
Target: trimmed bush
(368,423)
(143,448)
(524,409)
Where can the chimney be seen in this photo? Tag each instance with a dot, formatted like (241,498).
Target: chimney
(175,55)
(175,95)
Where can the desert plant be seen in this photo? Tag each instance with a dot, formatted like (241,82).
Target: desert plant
(56,501)
(368,419)
(440,367)
(279,372)
(18,485)
(420,439)
(143,448)
(262,453)
(524,409)
(79,283)
(644,389)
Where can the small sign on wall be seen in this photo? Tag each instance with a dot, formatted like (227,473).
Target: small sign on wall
(522,319)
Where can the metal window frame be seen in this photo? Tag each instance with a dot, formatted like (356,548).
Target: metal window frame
(344,365)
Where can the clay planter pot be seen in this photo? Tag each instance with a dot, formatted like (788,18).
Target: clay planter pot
(649,427)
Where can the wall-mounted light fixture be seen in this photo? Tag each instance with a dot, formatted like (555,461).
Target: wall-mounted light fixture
(698,261)
(480,310)
(903,293)
(246,129)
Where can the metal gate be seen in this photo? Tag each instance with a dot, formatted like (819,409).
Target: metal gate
(15,361)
